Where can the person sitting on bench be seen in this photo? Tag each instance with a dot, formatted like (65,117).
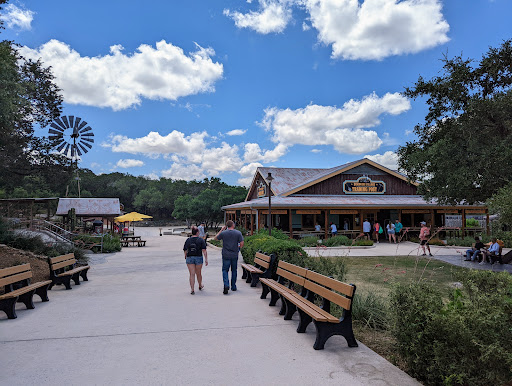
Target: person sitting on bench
(493,253)
(472,254)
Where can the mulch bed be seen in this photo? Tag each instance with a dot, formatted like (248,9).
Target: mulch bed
(12,256)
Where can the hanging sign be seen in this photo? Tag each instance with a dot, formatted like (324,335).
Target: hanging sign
(364,185)
(262,191)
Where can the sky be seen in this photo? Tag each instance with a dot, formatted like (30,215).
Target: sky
(199,88)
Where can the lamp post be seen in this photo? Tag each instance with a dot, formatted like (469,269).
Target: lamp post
(269,180)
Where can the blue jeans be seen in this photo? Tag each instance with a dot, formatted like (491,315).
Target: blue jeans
(226,264)
(470,254)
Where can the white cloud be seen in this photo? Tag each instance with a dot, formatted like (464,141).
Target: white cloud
(15,17)
(389,159)
(184,172)
(121,81)
(340,127)
(408,132)
(316,150)
(236,132)
(247,173)
(272,17)
(305,26)
(254,153)
(129,163)
(152,176)
(375,29)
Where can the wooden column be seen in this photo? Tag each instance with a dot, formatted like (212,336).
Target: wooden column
(400,215)
(326,223)
(291,224)
(412,220)
(463,222)
(432,219)
(487,222)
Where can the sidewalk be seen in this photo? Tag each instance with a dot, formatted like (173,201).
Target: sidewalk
(448,254)
(135,322)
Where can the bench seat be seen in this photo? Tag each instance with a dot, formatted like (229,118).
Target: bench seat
(63,269)
(262,268)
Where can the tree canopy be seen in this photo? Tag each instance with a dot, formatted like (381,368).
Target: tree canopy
(463,150)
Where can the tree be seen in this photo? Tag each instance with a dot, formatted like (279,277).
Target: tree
(463,152)
(501,203)
(28,98)
(182,208)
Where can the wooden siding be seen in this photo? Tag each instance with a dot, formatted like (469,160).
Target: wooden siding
(334,185)
(253,194)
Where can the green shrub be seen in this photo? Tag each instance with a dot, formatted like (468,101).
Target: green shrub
(278,234)
(337,241)
(436,241)
(111,243)
(371,310)
(463,342)
(363,243)
(461,242)
(328,266)
(217,243)
(472,223)
(309,241)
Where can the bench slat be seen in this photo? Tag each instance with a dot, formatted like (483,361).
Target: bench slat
(327,294)
(251,268)
(26,289)
(12,270)
(344,288)
(262,256)
(58,259)
(15,278)
(63,264)
(260,262)
(290,276)
(73,271)
(292,268)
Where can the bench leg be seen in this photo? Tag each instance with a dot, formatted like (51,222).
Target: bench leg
(26,299)
(244,273)
(42,292)
(264,291)
(255,278)
(290,309)
(274,297)
(324,330)
(248,277)
(305,319)
(76,278)
(9,307)
(66,280)
(84,274)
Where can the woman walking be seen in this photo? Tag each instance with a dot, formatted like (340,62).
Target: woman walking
(376,231)
(194,250)
(391,231)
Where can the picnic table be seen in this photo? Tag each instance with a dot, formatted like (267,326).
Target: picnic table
(133,240)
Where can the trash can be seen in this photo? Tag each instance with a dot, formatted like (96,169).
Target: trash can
(97,226)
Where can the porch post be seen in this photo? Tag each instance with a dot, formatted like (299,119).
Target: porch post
(290,221)
(326,223)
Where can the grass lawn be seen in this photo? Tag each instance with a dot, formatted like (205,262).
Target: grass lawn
(377,274)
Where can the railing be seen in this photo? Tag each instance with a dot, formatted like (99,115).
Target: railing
(52,228)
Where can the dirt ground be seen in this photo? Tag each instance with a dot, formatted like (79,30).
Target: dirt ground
(12,256)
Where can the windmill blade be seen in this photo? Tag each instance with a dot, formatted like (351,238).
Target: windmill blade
(54,137)
(77,121)
(72,151)
(66,151)
(60,129)
(78,150)
(85,150)
(59,133)
(65,120)
(59,122)
(85,144)
(71,119)
(82,125)
(88,135)
(61,146)
(88,140)
(88,128)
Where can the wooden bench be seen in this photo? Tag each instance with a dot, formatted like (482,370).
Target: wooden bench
(16,281)
(262,268)
(312,285)
(62,270)
(140,243)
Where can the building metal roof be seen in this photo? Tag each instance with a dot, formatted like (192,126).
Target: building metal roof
(341,201)
(89,206)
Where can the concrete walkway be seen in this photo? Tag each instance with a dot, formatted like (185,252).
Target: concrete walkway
(448,254)
(135,322)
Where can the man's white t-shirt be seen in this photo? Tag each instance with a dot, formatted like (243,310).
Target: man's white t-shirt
(333,228)
(367,227)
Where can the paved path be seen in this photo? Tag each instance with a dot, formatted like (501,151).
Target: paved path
(135,322)
(452,255)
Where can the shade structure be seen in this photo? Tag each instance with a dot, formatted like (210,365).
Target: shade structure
(132,216)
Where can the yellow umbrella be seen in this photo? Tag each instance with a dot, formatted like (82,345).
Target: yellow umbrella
(132,216)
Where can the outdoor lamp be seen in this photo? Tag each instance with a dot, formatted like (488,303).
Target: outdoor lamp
(269,180)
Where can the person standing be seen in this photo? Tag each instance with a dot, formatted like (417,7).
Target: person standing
(345,225)
(334,230)
(376,231)
(194,250)
(398,229)
(424,233)
(232,241)
(390,228)
(318,228)
(367,227)
(202,233)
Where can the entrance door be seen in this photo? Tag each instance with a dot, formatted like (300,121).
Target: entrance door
(370,215)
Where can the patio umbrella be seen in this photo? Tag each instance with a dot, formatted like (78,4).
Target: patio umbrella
(132,216)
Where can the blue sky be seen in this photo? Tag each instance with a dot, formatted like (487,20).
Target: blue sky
(201,88)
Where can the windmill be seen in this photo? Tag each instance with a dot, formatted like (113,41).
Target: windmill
(73,137)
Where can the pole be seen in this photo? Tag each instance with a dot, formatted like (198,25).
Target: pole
(269,210)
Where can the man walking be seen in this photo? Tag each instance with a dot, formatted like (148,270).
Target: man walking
(398,229)
(367,227)
(424,233)
(232,241)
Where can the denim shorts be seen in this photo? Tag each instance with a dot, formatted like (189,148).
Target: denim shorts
(197,260)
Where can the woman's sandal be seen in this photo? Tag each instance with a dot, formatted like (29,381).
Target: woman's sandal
(201,287)
(192,292)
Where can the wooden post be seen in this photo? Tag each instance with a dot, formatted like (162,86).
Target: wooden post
(400,215)
(432,219)
(326,223)
(291,223)
(463,222)
(412,220)
(487,221)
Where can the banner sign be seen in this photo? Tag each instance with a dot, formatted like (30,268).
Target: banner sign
(364,185)
(274,211)
(308,211)
(335,211)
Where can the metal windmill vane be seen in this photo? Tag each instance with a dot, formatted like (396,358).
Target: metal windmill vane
(74,137)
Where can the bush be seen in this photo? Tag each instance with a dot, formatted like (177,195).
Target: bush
(309,241)
(363,243)
(463,342)
(371,310)
(337,241)
(461,242)
(436,241)
(111,243)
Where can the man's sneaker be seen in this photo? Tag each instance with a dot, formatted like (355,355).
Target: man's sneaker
(430,254)
(226,289)
(467,259)
(233,288)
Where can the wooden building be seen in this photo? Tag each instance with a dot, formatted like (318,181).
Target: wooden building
(345,195)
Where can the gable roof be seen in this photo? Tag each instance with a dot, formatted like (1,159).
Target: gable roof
(89,206)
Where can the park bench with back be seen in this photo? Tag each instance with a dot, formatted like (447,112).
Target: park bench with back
(262,268)
(63,269)
(19,289)
(313,287)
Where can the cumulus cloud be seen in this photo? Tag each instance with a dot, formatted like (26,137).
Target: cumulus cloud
(254,153)
(247,173)
(15,17)
(389,159)
(272,17)
(316,150)
(184,172)
(129,163)
(343,128)
(120,81)
(236,132)
(375,29)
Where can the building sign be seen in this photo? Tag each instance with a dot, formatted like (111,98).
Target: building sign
(364,185)
(262,191)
